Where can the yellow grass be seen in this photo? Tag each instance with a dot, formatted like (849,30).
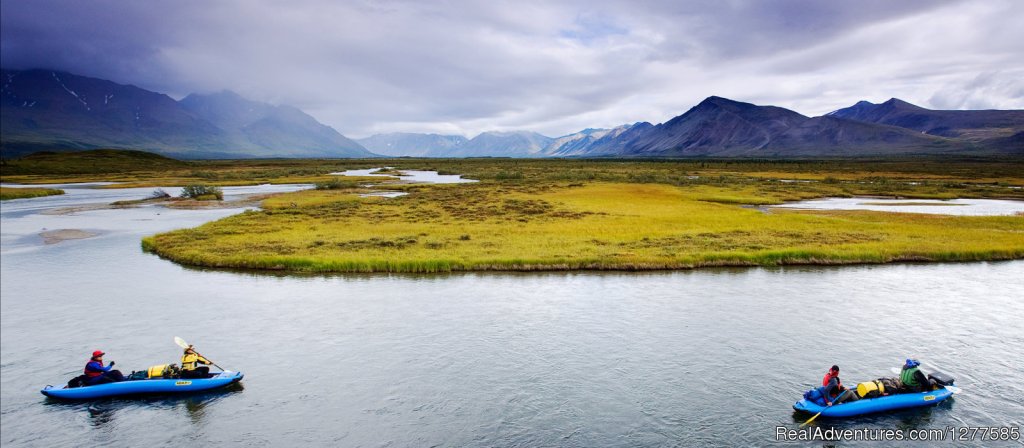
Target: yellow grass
(21,193)
(590,226)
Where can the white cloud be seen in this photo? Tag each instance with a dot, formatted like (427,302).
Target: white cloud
(553,67)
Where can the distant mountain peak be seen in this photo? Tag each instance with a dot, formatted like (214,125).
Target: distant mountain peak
(898,103)
(717,101)
(713,103)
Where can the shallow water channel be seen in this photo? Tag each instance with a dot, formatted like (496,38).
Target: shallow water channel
(959,207)
(414,176)
(706,357)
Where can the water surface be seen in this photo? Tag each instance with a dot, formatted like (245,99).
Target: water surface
(960,207)
(414,176)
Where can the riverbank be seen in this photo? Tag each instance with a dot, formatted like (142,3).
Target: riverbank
(577,226)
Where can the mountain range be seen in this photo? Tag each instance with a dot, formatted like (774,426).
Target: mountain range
(411,145)
(719,127)
(53,110)
(41,109)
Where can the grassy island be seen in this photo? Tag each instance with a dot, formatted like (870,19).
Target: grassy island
(21,193)
(569,215)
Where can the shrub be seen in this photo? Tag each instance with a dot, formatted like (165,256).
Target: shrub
(202,192)
(506,175)
(336,184)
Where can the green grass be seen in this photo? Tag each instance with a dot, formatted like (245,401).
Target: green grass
(97,161)
(20,193)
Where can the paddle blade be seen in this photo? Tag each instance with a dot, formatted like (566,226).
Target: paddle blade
(953,389)
(810,419)
(181,342)
(895,370)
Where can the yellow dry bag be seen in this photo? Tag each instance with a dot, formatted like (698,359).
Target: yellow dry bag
(156,371)
(162,371)
(870,389)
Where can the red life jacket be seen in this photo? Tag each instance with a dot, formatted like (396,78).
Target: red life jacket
(91,373)
(828,377)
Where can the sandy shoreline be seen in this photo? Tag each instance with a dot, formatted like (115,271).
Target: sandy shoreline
(181,204)
(61,235)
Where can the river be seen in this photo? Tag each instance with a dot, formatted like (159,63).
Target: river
(689,358)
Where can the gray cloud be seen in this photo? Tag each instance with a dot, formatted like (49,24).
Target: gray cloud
(554,67)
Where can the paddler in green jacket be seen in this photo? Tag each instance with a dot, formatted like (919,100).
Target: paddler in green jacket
(913,379)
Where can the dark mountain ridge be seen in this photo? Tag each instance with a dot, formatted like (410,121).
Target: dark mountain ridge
(59,110)
(719,127)
(944,123)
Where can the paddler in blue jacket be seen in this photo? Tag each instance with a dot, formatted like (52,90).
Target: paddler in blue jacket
(96,373)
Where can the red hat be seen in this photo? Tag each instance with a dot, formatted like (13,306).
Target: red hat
(97,353)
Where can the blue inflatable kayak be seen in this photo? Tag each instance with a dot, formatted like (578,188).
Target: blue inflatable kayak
(880,404)
(146,386)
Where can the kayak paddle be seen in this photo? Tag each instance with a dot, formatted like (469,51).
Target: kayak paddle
(181,343)
(833,401)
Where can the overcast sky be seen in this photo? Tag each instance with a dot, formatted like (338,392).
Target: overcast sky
(463,67)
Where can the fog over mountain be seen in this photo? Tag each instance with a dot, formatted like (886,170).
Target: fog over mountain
(43,109)
(503,144)
(412,145)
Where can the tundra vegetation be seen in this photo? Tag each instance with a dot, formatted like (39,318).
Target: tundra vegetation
(20,193)
(588,214)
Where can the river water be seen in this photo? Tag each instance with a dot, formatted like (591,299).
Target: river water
(690,358)
(959,207)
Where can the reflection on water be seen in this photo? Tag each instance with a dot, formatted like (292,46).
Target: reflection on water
(960,207)
(384,194)
(105,412)
(100,415)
